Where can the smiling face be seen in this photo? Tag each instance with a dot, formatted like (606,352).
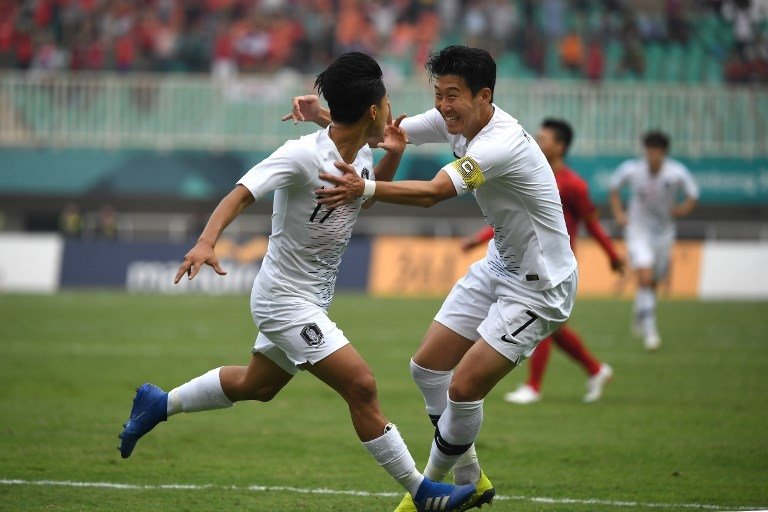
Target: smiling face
(464,113)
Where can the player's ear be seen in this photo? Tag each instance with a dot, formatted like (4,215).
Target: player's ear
(373,111)
(485,94)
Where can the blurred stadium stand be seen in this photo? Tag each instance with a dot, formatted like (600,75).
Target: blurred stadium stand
(156,107)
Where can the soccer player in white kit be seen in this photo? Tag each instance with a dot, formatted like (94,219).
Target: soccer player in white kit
(655,184)
(509,301)
(295,285)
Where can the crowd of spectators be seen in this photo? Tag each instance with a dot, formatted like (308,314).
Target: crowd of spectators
(227,37)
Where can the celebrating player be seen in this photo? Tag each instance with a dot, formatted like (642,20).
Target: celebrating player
(509,301)
(655,184)
(295,285)
(554,138)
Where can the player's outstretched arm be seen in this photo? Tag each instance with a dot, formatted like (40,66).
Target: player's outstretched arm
(203,252)
(617,208)
(684,208)
(349,186)
(308,109)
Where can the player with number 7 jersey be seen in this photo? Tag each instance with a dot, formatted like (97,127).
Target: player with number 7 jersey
(509,301)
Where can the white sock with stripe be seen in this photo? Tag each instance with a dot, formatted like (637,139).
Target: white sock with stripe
(392,454)
(458,427)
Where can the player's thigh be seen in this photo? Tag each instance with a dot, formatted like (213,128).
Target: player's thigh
(441,349)
(520,319)
(641,253)
(455,326)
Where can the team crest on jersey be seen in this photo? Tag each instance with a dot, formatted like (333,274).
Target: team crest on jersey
(312,335)
(365,174)
(470,172)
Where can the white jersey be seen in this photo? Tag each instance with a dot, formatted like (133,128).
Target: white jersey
(516,190)
(652,197)
(307,239)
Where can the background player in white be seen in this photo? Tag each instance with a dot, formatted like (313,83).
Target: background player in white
(509,301)
(656,184)
(295,285)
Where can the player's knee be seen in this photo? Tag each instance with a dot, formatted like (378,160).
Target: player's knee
(463,390)
(361,389)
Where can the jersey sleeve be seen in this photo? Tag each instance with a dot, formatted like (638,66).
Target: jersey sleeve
(283,168)
(481,163)
(690,188)
(620,175)
(425,128)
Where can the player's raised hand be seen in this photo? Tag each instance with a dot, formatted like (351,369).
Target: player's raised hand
(395,138)
(304,108)
(200,254)
(348,187)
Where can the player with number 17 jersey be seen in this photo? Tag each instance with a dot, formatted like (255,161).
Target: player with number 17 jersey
(307,239)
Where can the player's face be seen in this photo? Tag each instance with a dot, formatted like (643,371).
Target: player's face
(462,112)
(655,157)
(548,143)
(383,110)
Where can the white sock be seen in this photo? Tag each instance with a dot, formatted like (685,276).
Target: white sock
(458,428)
(645,308)
(467,468)
(434,386)
(390,452)
(202,393)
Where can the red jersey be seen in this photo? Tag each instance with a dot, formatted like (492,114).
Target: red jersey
(577,207)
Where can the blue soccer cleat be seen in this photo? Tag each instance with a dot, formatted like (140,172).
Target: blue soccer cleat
(433,495)
(149,408)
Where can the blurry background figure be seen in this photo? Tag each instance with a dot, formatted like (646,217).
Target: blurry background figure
(71,221)
(106,225)
(656,185)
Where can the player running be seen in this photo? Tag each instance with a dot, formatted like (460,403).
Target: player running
(509,301)
(655,185)
(295,285)
(554,138)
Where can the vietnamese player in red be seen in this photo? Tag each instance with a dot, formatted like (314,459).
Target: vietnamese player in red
(554,138)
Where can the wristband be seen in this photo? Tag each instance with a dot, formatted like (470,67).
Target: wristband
(369,188)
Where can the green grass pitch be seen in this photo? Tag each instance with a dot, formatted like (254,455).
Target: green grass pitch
(681,429)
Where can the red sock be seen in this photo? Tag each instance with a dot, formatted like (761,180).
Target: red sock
(570,342)
(538,363)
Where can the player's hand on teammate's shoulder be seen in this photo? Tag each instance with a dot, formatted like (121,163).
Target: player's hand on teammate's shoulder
(304,108)
(202,253)
(347,187)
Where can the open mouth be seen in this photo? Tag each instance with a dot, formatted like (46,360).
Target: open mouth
(451,120)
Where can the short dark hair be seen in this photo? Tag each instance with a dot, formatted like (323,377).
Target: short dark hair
(474,65)
(350,85)
(561,128)
(656,139)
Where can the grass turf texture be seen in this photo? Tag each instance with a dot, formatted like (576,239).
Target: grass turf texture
(686,425)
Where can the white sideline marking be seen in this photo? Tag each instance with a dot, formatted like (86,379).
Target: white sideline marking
(337,492)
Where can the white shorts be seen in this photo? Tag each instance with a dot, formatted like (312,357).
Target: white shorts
(649,251)
(509,317)
(293,332)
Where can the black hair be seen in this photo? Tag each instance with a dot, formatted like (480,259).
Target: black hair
(656,139)
(474,65)
(350,86)
(562,130)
